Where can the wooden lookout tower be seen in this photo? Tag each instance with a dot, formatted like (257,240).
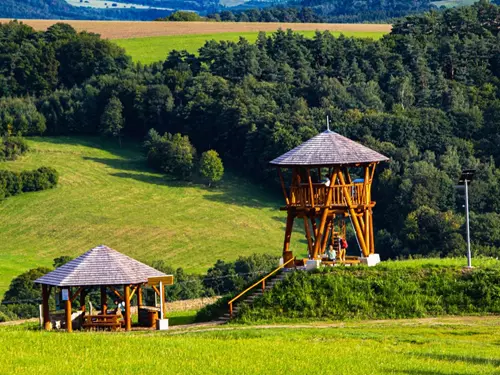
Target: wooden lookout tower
(331,179)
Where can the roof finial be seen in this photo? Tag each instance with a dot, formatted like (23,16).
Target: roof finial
(327,123)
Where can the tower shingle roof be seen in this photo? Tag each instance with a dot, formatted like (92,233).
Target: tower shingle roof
(100,266)
(326,149)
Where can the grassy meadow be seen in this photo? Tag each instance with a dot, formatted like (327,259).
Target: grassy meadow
(444,346)
(107,195)
(152,49)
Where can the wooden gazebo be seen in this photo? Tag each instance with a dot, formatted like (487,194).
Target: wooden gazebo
(104,268)
(331,178)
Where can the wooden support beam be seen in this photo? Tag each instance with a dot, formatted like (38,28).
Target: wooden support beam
(347,175)
(311,190)
(366,183)
(104,300)
(139,296)
(283,187)
(67,308)
(321,232)
(117,293)
(314,227)
(367,231)
(73,297)
(288,231)
(83,294)
(134,289)
(372,235)
(128,320)
(325,237)
(354,217)
(156,290)
(308,236)
(45,308)
(361,221)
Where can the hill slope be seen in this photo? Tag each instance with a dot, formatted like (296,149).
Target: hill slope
(107,196)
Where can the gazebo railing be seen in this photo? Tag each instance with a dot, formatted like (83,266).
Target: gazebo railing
(300,196)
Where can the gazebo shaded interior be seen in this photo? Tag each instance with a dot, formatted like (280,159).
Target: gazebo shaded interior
(103,268)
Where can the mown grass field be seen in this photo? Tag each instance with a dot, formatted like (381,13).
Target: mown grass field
(153,49)
(444,346)
(107,195)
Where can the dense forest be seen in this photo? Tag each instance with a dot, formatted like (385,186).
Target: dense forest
(326,11)
(427,95)
(294,11)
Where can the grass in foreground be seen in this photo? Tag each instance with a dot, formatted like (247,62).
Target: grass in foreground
(107,195)
(177,318)
(153,49)
(414,347)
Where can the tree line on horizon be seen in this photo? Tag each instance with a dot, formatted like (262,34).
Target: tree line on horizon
(427,96)
(307,11)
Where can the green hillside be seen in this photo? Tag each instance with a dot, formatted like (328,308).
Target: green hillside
(153,49)
(106,195)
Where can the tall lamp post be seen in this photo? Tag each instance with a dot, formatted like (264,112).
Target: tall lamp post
(465,179)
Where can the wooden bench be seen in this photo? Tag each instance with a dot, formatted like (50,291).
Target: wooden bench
(108,321)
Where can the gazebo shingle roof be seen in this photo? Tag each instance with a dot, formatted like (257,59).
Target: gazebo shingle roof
(100,266)
(329,148)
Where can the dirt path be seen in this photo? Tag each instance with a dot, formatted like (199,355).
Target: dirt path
(138,29)
(18,322)
(493,320)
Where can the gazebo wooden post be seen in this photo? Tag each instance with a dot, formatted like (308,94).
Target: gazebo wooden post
(139,296)
(67,308)
(162,299)
(83,294)
(128,322)
(104,300)
(45,308)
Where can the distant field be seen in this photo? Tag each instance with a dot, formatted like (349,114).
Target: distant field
(453,3)
(152,49)
(107,195)
(138,29)
(445,346)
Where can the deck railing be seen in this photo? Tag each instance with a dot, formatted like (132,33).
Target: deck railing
(261,281)
(301,195)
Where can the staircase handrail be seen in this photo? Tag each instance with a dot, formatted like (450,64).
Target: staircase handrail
(263,281)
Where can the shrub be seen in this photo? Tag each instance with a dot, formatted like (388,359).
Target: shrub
(10,184)
(211,166)
(12,147)
(172,154)
(13,183)
(40,179)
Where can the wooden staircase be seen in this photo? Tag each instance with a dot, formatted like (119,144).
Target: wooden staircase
(267,284)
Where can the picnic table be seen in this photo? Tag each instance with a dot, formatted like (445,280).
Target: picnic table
(106,321)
